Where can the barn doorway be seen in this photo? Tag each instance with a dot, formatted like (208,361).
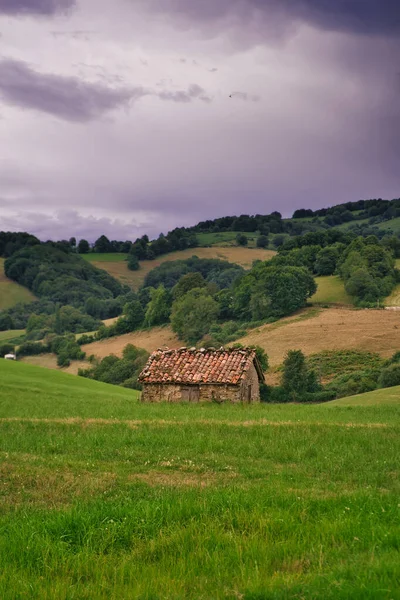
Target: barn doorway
(190,393)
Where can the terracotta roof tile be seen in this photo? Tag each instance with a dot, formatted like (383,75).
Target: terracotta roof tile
(224,366)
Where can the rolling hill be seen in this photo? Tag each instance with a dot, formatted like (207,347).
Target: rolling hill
(311,330)
(329,329)
(116,265)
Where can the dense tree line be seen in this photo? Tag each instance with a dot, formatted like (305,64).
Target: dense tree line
(220,272)
(73,294)
(377,210)
(11,242)
(55,275)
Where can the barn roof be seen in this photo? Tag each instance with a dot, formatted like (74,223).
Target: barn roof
(191,366)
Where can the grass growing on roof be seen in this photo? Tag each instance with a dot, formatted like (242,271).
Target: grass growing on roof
(189,501)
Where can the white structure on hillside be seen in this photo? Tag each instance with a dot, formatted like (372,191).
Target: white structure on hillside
(10,357)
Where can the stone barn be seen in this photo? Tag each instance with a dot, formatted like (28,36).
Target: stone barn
(190,375)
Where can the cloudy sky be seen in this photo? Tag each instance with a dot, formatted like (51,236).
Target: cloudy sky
(116,115)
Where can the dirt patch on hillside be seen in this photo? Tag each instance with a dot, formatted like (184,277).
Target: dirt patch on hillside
(43,488)
(157,337)
(331,329)
(237,255)
(49,361)
(176,479)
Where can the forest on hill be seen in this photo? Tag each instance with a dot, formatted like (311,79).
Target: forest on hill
(206,301)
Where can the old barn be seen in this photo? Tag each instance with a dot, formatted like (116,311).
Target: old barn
(192,375)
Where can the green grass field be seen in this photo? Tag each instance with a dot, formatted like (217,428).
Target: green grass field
(106,257)
(11,334)
(12,293)
(225,238)
(104,497)
(331,291)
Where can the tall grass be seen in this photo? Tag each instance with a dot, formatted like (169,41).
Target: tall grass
(165,501)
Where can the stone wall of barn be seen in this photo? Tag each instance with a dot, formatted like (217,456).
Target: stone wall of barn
(250,386)
(247,391)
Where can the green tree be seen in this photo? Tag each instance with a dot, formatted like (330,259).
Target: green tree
(241,239)
(295,375)
(390,376)
(102,245)
(159,308)
(186,283)
(134,314)
(133,262)
(193,314)
(362,285)
(278,240)
(6,322)
(326,261)
(83,247)
(262,241)
(272,291)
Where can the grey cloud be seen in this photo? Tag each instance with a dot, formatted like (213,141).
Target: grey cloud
(245,97)
(75,35)
(64,224)
(35,7)
(64,97)
(368,16)
(73,99)
(193,92)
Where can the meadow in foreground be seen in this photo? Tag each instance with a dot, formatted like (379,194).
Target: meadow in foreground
(103,497)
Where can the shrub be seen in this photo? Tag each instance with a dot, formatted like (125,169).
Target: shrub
(33,349)
(262,241)
(241,239)
(63,360)
(350,384)
(389,376)
(6,322)
(6,349)
(320,396)
(133,263)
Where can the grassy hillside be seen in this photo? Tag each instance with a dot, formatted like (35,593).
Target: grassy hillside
(10,292)
(150,340)
(103,497)
(329,329)
(10,335)
(331,291)
(116,265)
(394,298)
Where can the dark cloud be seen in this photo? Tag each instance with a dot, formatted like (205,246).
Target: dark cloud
(67,98)
(73,99)
(366,16)
(35,7)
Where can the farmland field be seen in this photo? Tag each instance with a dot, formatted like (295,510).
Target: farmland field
(103,497)
(10,292)
(118,268)
(225,238)
(11,334)
(329,329)
(150,340)
(331,291)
